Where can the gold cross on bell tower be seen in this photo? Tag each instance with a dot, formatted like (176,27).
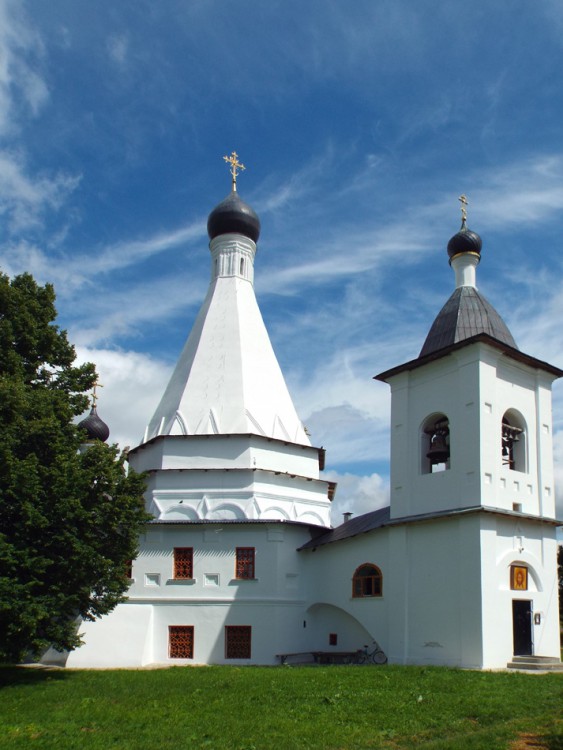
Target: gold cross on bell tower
(463,200)
(235,167)
(95,396)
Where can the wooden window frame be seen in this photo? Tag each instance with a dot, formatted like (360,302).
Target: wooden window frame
(245,565)
(180,641)
(362,584)
(183,563)
(238,641)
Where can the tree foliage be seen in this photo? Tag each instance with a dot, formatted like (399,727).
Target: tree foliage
(69,521)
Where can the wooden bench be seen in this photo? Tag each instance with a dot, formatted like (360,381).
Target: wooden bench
(319,657)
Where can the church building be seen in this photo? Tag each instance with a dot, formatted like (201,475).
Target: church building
(240,564)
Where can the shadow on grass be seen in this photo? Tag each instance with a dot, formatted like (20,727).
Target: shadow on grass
(15,675)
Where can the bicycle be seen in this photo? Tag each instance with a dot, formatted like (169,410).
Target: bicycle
(376,656)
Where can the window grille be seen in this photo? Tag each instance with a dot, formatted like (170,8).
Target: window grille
(181,641)
(245,562)
(238,641)
(367,581)
(183,562)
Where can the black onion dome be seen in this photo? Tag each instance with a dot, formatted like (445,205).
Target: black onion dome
(235,216)
(465,241)
(96,428)
(467,313)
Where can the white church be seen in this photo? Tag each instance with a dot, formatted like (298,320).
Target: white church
(240,564)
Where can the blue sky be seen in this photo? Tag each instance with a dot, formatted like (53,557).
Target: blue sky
(359,123)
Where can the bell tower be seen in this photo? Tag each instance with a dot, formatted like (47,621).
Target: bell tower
(471,415)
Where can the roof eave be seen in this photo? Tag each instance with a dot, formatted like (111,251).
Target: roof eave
(509,351)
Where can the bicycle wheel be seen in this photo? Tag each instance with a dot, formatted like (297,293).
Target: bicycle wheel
(379,657)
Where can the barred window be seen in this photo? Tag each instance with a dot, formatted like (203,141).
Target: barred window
(367,581)
(183,562)
(245,562)
(238,641)
(181,641)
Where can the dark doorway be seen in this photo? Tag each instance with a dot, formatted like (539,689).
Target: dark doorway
(522,627)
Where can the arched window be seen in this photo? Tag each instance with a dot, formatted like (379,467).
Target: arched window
(367,581)
(513,441)
(435,444)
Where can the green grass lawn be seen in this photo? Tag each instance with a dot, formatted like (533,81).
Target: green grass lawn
(267,708)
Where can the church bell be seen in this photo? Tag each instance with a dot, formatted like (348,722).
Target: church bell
(439,451)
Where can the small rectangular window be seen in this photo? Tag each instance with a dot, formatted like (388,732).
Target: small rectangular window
(245,558)
(181,641)
(238,641)
(183,562)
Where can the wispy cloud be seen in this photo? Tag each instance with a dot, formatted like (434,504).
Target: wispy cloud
(20,82)
(24,197)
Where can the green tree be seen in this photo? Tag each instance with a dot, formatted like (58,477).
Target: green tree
(69,521)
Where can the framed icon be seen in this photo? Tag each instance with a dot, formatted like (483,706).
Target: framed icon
(518,578)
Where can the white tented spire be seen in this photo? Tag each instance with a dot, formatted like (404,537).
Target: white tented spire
(228,380)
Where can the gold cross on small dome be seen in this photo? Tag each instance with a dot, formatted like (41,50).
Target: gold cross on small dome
(463,200)
(95,396)
(235,167)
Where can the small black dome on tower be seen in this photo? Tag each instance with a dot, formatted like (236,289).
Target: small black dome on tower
(465,241)
(235,216)
(96,428)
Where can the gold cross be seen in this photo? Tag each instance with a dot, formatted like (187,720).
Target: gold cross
(235,166)
(95,396)
(463,200)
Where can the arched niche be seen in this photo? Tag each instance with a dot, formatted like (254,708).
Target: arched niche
(514,442)
(435,444)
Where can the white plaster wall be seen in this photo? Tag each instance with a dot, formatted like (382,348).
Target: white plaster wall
(448,386)
(435,612)
(331,606)
(507,541)
(136,632)
(252,494)
(121,639)
(473,387)
(430,611)
(226,451)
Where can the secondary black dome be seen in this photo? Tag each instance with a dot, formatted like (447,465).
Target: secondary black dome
(465,241)
(235,216)
(96,428)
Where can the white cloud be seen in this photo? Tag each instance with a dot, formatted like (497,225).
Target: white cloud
(21,49)
(25,198)
(118,47)
(133,384)
(357,494)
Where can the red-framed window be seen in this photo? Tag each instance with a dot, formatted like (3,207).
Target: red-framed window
(183,562)
(238,641)
(367,581)
(181,641)
(245,562)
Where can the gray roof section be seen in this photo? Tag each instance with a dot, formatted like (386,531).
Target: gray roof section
(353,527)
(467,313)
(381,518)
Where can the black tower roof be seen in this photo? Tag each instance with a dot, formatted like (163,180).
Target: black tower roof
(466,314)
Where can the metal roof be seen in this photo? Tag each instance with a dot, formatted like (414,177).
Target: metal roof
(467,313)
(353,527)
(378,519)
